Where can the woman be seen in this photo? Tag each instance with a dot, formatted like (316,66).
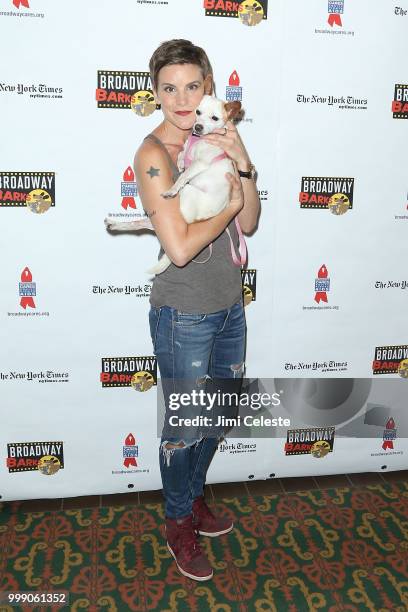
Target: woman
(196,318)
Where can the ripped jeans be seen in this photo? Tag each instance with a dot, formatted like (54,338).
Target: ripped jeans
(194,348)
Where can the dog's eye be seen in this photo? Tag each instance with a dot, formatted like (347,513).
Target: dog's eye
(198,112)
(214,118)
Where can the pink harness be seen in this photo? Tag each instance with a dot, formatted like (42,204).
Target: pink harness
(242,249)
(191,142)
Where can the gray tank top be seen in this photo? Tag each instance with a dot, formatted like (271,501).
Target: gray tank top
(200,288)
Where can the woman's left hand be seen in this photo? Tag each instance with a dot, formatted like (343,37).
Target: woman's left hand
(230,141)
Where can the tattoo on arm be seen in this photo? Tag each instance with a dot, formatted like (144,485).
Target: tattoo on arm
(151,214)
(152,172)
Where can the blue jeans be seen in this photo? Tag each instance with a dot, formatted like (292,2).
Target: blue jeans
(193,350)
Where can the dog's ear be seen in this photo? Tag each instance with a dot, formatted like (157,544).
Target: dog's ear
(209,85)
(232,109)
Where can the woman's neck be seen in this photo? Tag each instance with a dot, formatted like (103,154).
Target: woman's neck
(172,135)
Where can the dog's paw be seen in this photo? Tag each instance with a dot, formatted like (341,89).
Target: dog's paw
(145,224)
(169,194)
(109,224)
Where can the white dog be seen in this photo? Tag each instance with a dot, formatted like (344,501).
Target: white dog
(203,186)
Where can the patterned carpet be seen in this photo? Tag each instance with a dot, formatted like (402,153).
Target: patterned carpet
(341,549)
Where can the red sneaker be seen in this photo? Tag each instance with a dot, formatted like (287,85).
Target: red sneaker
(206,523)
(183,545)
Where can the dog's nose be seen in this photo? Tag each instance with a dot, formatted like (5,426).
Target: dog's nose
(198,128)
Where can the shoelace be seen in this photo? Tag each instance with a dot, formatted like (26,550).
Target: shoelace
(189,541)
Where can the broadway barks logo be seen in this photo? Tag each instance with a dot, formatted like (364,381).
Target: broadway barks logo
(250,12)
(248,278)
(18,3)
(121,89)
(45,457)
(333,193)
(32,190)
(322,285)
(317,441)
(391,360)
(400,102)
(130,452)
(336,9)
(137,372)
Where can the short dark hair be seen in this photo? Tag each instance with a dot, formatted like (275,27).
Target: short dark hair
(178,51)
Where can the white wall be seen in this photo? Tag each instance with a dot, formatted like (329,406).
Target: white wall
(289,57)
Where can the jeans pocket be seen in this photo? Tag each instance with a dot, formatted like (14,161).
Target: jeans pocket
(154,319)
(186,319)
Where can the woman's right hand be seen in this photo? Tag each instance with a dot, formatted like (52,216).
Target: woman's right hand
(236,194)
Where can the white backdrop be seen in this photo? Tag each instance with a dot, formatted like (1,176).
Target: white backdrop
(318,104)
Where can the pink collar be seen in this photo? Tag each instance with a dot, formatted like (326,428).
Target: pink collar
(191,142)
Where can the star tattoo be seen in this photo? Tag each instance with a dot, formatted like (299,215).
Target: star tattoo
(152,172)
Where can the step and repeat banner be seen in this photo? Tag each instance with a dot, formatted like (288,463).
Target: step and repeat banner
(326,283)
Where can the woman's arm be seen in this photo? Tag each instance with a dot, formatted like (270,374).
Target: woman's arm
(180,241)
(234,147)
(248,217)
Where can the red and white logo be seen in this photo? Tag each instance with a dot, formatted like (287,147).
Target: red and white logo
(322,285)
(27,289)
(18,3)
(390,433)
(130,452)
(336,9)
(128,189)
(233,90)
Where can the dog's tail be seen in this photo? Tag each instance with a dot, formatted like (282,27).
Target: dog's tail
(161,265)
